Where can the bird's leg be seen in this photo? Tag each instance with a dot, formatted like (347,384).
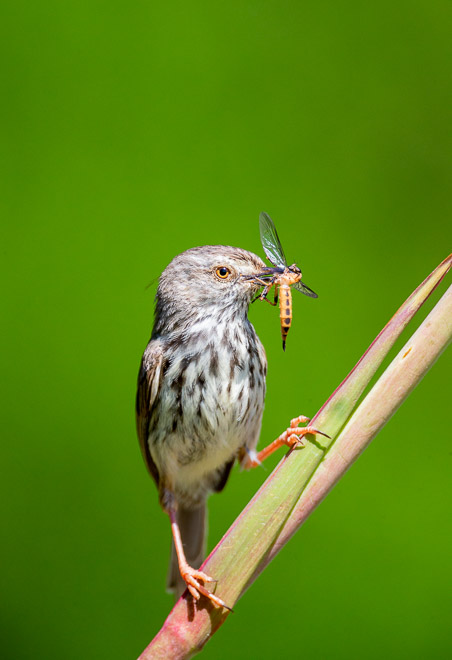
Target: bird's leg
(191,576)
(292,437)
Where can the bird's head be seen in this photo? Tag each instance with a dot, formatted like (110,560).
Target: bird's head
(213,279)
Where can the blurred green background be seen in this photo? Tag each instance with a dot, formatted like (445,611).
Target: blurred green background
(132,131)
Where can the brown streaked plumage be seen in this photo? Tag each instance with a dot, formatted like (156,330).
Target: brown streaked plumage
(201,389)
(200,397)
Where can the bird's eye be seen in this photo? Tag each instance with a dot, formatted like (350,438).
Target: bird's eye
(222,272)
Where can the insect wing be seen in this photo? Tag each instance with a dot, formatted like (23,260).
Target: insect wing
(299,286)
(270,241)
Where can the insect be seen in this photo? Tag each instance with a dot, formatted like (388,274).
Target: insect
(282,276)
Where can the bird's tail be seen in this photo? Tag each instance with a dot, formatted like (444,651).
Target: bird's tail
(193,527)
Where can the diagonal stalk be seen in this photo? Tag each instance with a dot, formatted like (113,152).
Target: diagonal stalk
(398,381)
(280,506)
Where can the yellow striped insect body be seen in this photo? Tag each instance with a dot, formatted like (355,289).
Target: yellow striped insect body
(281,276)
(285,309)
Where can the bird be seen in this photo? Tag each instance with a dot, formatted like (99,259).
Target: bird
(200,395)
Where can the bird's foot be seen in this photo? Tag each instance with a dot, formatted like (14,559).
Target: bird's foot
(193,579)
(292,437)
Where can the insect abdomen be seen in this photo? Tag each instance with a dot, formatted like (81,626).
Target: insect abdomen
(285,311)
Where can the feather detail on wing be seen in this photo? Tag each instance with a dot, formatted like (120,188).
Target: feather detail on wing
(148,386)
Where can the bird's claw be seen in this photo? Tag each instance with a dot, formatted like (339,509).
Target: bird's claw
(192,578)
(292,436)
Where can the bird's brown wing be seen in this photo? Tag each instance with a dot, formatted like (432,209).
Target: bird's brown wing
(149,379)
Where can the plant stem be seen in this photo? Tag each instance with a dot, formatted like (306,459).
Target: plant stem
(400,378)
(291,492)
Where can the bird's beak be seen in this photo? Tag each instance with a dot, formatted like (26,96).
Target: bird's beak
(264,274)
